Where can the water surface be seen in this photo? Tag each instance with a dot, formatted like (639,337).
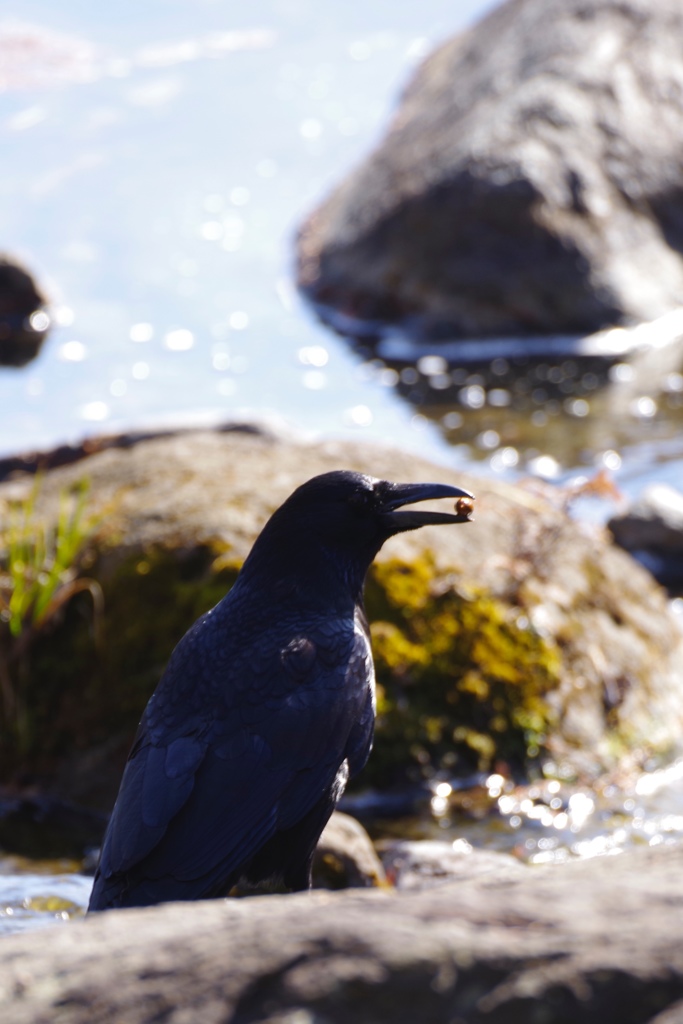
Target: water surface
(157,160)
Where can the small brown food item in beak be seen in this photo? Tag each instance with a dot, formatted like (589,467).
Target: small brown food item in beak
(464,507)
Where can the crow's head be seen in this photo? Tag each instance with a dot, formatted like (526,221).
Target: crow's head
(343,518)
(351,507)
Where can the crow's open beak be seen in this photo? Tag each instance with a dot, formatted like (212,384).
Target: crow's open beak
(398,495)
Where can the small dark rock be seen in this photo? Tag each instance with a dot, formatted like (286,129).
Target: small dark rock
(44,827)
(24,323)
(345,857)
(652,530)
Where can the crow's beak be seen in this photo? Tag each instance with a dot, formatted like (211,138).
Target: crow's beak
(397,495)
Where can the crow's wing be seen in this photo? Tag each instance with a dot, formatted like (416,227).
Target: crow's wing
(219,767)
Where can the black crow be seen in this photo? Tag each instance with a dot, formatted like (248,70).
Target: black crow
(266,708)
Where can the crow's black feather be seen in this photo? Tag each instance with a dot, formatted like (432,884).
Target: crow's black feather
(265,709)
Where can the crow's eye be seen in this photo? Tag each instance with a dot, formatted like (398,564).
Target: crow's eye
(360,501)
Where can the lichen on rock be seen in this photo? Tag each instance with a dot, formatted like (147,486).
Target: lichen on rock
(461,676)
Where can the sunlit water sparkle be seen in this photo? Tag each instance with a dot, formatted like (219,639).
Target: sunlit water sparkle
(548,822)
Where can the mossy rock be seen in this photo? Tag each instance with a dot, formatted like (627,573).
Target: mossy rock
(522,639)
(461,680)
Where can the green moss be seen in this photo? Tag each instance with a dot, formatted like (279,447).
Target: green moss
(460,677)
(38,577)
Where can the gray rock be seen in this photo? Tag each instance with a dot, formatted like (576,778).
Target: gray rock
(655,520)
(652,530)
(530,182)
(588,942)
(345,856)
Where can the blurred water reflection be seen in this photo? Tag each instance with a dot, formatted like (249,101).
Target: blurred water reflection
(552,820)
(157,163)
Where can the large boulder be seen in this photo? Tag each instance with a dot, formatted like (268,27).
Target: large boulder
(516,640)
(588,942)
(530,182)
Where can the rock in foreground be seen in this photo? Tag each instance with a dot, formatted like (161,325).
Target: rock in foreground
(586,943)
(530,182)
